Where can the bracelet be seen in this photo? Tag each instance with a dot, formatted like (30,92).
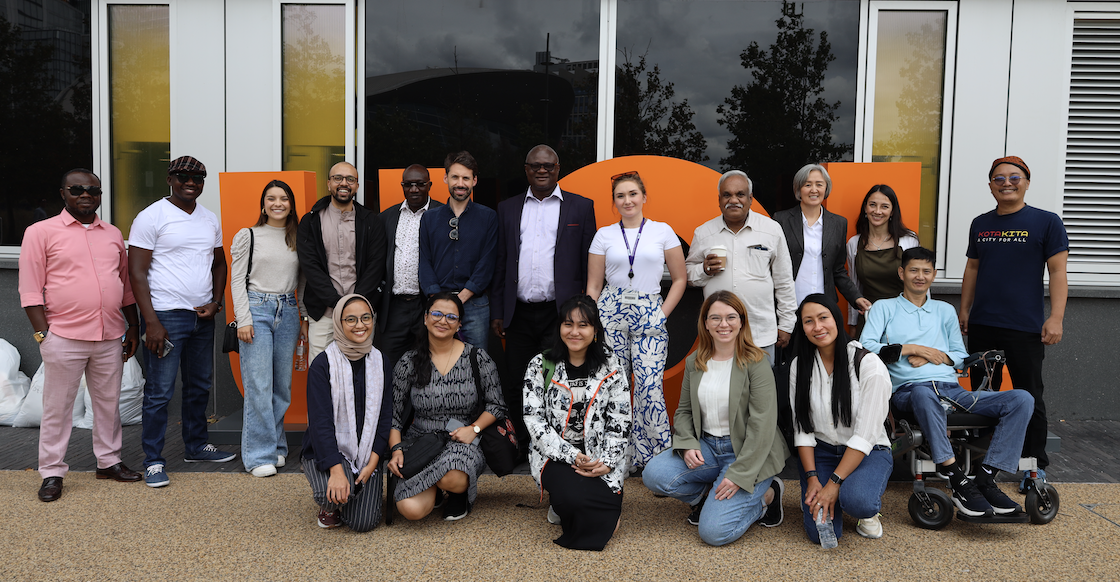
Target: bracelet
(810,474)
(397,447)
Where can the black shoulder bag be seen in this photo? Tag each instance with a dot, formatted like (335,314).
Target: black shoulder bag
(229,340)
(499,440)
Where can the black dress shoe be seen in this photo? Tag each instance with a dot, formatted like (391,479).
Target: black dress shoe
(51,489)
(119,472)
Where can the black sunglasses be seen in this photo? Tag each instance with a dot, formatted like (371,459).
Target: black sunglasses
(76,190)
(184,178)
(411,185)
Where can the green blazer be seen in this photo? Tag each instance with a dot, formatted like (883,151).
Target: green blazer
(760,450)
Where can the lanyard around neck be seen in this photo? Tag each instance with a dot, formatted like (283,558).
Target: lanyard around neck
(632,253)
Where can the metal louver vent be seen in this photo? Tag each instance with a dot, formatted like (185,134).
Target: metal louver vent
(1091,200)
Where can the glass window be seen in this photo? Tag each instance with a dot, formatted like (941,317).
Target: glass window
(139,108)
(760,86)
(314,88)
(493,78)
(45,108)
(909,91)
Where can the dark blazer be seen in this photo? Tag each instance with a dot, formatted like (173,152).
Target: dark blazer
(573,239)
(390,217)
(833,252)
(369,254)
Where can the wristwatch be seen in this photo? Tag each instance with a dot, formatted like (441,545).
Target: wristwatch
(836,479)
(476,428)
(39,336)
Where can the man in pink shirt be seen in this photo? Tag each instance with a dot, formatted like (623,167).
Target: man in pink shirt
(73,284)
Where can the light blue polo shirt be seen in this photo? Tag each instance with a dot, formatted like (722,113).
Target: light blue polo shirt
(934,325)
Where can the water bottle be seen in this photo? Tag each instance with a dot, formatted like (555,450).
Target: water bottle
(825,531)
(301,354)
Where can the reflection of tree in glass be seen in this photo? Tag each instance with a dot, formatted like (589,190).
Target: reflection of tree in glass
(314,77)
(41,139)
(779,121)
(919,102)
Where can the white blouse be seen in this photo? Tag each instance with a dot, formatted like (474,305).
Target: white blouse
(871,394)
(714,395)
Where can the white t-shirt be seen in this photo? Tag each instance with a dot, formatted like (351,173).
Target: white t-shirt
(182,248)
(714,395)
(649,259)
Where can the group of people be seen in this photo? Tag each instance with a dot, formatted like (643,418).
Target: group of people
(398,309)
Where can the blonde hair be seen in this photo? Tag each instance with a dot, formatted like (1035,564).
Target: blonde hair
(745,350)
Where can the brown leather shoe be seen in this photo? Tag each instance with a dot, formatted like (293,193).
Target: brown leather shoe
(51,489)
(119,472)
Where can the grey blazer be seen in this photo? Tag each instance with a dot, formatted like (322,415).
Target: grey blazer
(833,252)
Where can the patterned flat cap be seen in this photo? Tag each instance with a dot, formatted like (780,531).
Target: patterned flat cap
(186,165)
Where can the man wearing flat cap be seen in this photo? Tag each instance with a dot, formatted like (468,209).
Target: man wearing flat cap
(1002,305)
(178,271)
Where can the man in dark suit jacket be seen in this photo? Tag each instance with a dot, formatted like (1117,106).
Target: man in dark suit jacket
(402,301)
(812,186)
(543,238)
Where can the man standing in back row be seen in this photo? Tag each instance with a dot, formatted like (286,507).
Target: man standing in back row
(178,272)
(402,303)
(543,239)
(457,244)
(341,249)
(73,284)
(1002,304)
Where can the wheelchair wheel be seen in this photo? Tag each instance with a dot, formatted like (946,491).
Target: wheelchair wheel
(1042,510)
(935,517)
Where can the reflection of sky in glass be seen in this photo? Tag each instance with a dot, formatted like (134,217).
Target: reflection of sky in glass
(495,34)
(697,45)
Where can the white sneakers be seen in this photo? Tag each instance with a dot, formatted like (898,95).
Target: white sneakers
(264,471)
(870,527)
(280,461)
(552,517)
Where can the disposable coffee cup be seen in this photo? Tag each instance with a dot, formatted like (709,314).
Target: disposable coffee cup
(721,252)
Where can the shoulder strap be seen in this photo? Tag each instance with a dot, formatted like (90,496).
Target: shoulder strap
(252,243)
(860,354)
(480,405)
(549,369)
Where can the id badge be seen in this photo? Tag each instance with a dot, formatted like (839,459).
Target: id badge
(629,297)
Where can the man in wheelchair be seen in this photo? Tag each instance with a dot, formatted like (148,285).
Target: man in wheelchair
(919,340)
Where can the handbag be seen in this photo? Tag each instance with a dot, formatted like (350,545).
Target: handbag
(419,452)
(499,440)
(230,342)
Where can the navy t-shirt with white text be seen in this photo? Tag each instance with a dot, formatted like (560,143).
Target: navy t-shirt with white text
(1013,250)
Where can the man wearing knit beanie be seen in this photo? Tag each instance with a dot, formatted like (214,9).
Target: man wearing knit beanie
(1002,304)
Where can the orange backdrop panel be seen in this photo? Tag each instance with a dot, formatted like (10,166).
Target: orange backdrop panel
(241,205)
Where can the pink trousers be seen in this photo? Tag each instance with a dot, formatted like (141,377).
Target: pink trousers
(64,361)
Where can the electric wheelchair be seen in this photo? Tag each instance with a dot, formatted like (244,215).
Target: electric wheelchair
(931,508)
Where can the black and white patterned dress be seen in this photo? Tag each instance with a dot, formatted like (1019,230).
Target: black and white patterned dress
(445,397)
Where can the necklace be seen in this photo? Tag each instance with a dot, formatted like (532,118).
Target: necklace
(879,245)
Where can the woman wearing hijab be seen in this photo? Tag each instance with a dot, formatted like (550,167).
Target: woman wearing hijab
(349,413)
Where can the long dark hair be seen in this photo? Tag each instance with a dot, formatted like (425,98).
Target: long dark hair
(597,355)
(895,227)
(292,221)
(422,357)
(806,359)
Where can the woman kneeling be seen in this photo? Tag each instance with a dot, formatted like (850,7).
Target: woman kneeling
(726,445)
(577,412)
(349,410)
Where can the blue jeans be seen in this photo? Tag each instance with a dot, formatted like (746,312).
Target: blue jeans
(1013,408)
(193,356)
(476,321)
(266,375)
(861,495)
(721,521)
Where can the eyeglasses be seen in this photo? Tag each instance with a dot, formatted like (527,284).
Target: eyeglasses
(731,319)
(632,174)
(539,167)
(339,178)
(184,178)
(411,185)
(454,224)
(76,190)
(438,315)
(1014,179)
(351,320)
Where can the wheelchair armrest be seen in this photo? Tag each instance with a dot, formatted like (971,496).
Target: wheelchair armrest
(988,358)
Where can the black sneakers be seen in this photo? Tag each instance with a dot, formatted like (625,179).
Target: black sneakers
(456,507)
(967,497)
(694,517)
(774,512)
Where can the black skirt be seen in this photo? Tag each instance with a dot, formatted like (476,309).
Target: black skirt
(588,509)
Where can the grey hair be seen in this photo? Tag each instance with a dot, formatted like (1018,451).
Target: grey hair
(802,177)
(741,174)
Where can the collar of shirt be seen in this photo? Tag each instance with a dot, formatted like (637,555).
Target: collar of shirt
(556,192)
(819,223)
(405,208)
(342,216)
(68,219)
(909,307)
